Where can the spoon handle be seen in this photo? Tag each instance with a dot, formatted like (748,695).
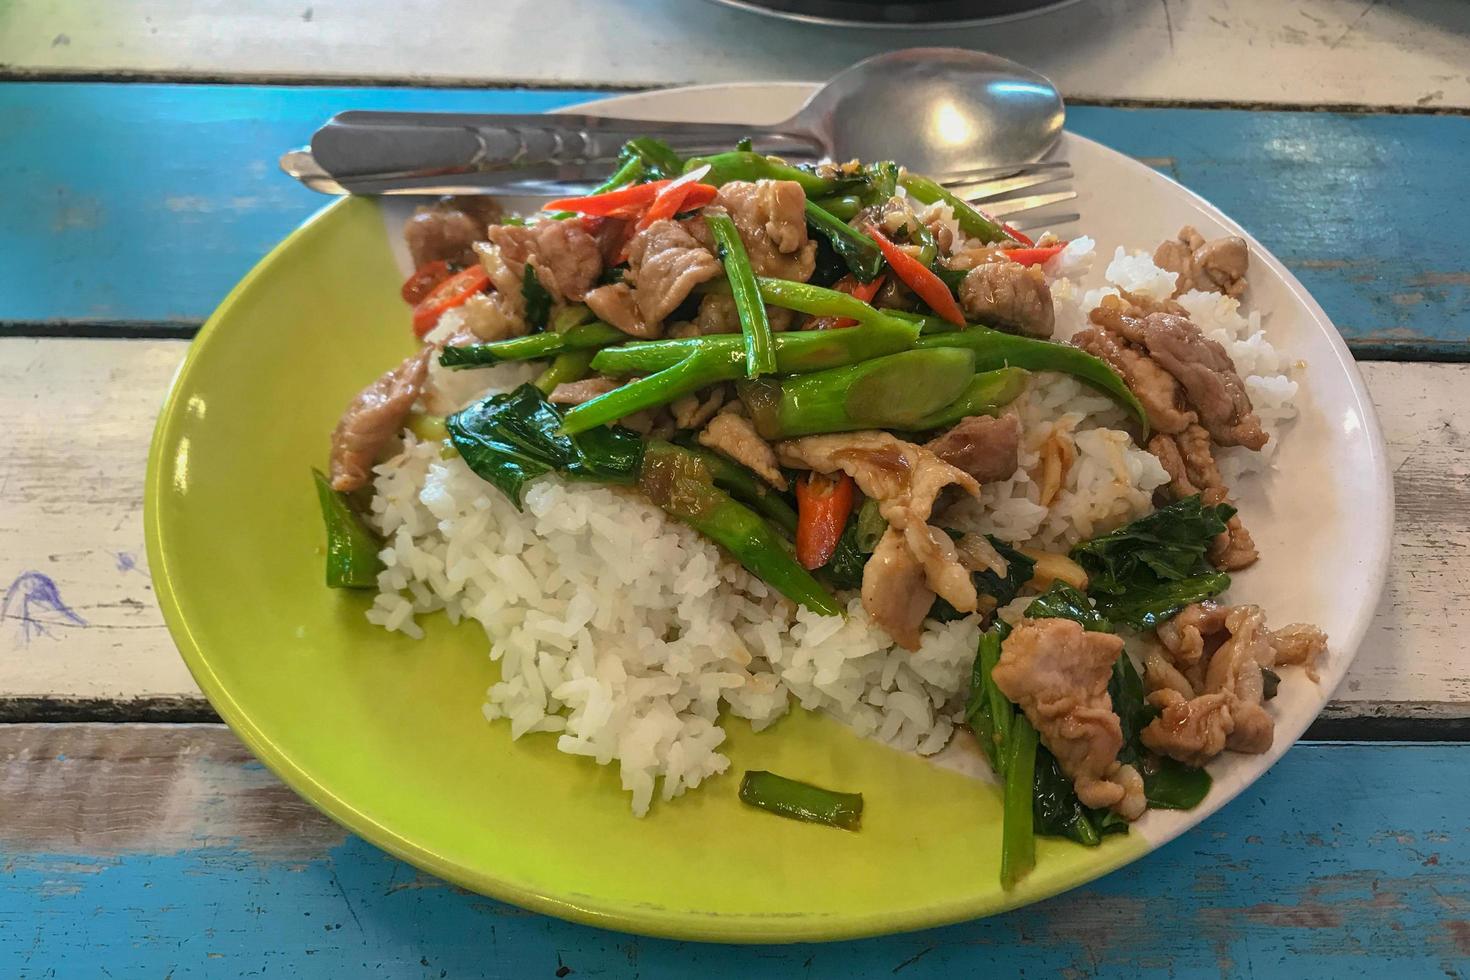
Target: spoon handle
(421,144)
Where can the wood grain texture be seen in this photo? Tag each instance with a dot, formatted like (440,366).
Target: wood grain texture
(87,406)
(192,197)
(165,851)
(1308,51)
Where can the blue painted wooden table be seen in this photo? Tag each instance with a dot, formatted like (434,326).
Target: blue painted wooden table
(136,845)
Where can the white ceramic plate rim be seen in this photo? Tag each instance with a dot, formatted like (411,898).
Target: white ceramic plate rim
(768,102)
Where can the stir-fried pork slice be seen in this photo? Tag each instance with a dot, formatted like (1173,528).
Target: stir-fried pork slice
(1010,296)
(1299,645)
(770,216)
(1203,368)
(1058,674)
(577,392)
(906,480)
(1161,395)
(373,420)
(446,230)
(735,436)
(1218,265)
(667,263)
(896,594)
(717,314)
(1190,463)
(1206,680)
(693,411)
(567,258)
(616,304)
(986,448)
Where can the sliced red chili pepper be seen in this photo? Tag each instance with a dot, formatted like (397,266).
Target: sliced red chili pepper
(1019,236)
(423,280)
(1033,256)
(675,198)
(864,291)
(822,506)
(919,277)
(612,204)
(447,295)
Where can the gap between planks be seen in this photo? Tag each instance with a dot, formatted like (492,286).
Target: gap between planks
(152,850)
(88,406)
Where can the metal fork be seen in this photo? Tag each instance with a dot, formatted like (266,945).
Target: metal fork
(994,189)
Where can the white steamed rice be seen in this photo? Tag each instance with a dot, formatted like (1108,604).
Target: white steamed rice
(626,634)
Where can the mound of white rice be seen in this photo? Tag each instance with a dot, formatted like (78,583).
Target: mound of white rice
(626,634)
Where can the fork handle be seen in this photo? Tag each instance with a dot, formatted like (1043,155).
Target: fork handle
(384,144)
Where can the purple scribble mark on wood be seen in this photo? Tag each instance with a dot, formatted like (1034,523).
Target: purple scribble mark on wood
(126,562)
(36,603)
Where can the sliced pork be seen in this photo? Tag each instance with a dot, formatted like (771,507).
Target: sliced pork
(374,419)
(770,216)
(735,436)
(986,448)
(1218,265)
(1010,296)
(1058,674)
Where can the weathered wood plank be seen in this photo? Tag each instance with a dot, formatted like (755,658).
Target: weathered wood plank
(80,414)
(192,188)
(164,850)
(1310,51)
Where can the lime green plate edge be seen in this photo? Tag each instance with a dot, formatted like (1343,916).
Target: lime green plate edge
(668,923)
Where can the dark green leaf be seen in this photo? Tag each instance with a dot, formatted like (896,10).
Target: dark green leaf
(1146,606)
(538,300)
(745,145)
(1019,570)
(1167,545)
(845,568)
(659,160)
(1270,683)
(1058,812)
(858,252)
(1171,785)
(511,438)
(1062,601)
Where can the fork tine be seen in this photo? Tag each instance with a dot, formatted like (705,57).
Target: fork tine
(1042,222)
(1015,205)
(985,190)
(970,176)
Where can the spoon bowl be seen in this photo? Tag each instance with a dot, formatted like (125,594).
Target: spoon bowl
(940,110)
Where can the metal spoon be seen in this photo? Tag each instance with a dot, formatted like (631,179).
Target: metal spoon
(939,110)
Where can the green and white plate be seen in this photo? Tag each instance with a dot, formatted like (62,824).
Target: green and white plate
(386,736)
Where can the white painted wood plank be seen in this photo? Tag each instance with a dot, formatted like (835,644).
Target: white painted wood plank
(1405,53)
(79,414)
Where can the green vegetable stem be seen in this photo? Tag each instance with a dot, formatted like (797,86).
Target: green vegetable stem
(681,483)
(985,394)
(897,391)
(858,251)
(352,547)
(760,356)
(549,343)
(972,221)
(801,801)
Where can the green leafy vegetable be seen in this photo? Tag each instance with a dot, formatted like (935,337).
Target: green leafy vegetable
(1018,812)
(352,547)
(1145,571)
(511,438)
(682,484)
(744,485)
(801,801)
(548,343)
(1062,601)
(1019,570)
(538,300)
(858,251)
(658,160)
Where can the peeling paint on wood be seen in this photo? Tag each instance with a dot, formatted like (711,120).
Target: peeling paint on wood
(1413,664)
(1408,53)
(193,197)
(1344,861)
